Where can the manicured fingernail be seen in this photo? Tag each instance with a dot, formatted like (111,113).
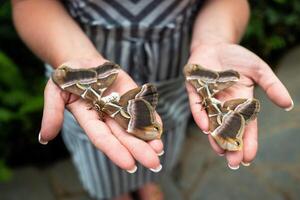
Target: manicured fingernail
(41,141)
(291,106)
(161,153)
(245,164)
(205,132)
(233,167)
(133,170)
(221,154)
(156,169)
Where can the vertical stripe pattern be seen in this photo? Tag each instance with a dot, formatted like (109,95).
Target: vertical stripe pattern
(150,40)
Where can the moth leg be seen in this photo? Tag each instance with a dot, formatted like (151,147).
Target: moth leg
(101,92)
(118,109)
(215,102)
(86,90)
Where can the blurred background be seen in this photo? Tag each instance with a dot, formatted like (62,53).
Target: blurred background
(30,169)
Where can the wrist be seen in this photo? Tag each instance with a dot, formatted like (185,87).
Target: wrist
(93,59)
(211,40)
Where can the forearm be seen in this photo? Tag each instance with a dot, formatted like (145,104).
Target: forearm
(49,31)
(220,21)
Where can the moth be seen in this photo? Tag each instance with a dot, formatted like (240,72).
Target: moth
(226,120)
(134,111)
(208,82)
(236,114)
(84,82)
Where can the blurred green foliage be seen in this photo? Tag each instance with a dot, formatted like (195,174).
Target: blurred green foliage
(21,92)
(273,29)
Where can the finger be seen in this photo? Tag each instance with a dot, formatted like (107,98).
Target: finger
(273,87)
(157,146)
(100,135)
(250,143)
(139,149)
(234,158)
(215,146)
(53,113)
(198,112)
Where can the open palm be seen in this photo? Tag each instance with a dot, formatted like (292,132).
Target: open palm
(252,70)
(122,148)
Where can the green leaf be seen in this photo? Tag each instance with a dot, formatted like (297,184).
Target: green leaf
(10,75)
(13,98)
(276,42)
(33,104)
(6,115)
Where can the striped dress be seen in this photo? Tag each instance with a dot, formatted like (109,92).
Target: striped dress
(150,40)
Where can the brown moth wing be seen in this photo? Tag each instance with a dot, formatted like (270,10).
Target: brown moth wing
(109,109)
(142,121)
(106,75)
(225,80)
(229,134)
(194,71)
(148,92)
(129,95)
(248,108)
(66,78)
(214,116)
(213,123)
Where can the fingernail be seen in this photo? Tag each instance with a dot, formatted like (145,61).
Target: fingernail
(234,167)
(133,170)
(221,154)
(245,164)
(161,153)
(291,106)
(156,169)
(41,141)
(205,132)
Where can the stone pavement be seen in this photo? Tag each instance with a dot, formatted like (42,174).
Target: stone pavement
(274,175)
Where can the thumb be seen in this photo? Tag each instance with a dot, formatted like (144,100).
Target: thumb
(273,87)
(53,113)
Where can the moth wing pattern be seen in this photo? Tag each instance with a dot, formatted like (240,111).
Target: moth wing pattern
(141,112)
(194,71)
(248,108)
(147,92)
(69,79)
(225,80)
(106,74)
(129,95)
(229,134)
(142,121)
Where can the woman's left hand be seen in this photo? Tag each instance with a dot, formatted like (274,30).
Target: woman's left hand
(252,70)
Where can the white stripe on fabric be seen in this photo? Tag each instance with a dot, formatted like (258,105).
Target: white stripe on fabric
(111,11)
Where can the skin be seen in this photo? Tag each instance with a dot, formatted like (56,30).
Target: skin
(216,49)
(54,36)
(67,44)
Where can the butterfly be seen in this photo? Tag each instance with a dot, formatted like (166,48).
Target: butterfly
(134,111)
(226,121)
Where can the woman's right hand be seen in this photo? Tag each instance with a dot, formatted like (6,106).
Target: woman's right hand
(122,148)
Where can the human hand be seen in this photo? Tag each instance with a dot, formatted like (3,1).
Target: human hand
(122,148)
(252,70)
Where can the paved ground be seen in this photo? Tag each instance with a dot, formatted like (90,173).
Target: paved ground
(201,174)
